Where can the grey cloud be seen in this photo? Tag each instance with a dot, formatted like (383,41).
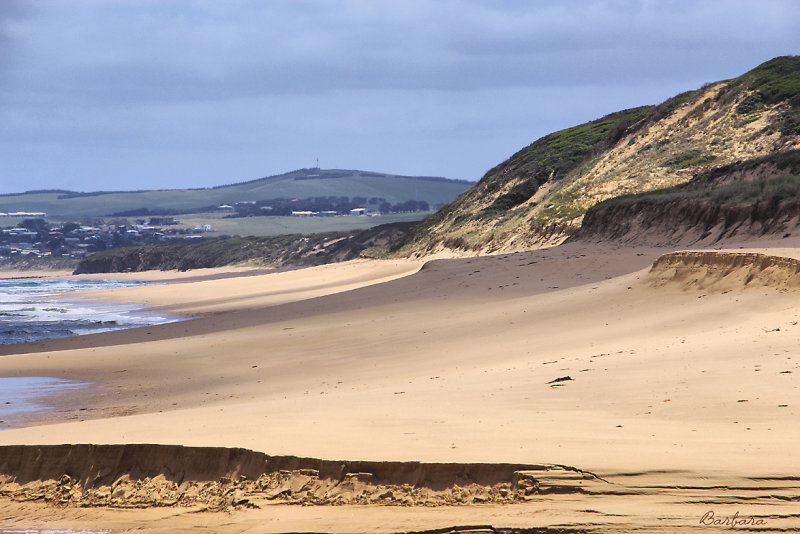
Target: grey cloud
(442,87)
(202,51)
(13,13)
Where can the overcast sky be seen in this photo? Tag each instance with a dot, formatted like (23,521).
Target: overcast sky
(131,94)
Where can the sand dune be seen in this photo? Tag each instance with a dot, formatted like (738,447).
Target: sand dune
(679,376)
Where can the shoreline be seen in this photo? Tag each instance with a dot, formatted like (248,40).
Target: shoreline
(30,396)
(38,309)
(573,356)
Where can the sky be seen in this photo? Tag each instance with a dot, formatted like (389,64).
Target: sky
(145,94)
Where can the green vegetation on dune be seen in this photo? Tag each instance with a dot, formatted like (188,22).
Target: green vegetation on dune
(774,82)
(689,158)
(771,191)
(769,178)
(555,155)
(666,108)
(562,151)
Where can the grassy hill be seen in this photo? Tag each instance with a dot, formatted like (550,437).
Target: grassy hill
(539,196)
(303,183)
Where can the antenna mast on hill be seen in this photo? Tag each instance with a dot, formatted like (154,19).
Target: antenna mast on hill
(317,167)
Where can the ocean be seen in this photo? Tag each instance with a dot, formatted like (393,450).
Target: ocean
(34,309)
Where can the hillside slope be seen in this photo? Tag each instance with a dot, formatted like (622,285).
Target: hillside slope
(539,196)
(303,183)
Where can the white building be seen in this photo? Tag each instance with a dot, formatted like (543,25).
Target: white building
(26,214)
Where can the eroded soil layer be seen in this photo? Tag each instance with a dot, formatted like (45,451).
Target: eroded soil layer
(219,478)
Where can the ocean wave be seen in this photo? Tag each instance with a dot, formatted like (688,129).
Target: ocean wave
(35,309)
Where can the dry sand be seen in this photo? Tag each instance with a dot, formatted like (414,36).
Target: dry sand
(683,396)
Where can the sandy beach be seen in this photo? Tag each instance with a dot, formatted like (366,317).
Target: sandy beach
(676,388)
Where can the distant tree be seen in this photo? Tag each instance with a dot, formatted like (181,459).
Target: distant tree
(54,244)
(70,226)
(411,205)
(34,225)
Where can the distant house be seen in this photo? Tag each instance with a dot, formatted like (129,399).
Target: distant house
(26,214)
(303,213)
(225,207)
(20,232)
(203,228)
(359,211)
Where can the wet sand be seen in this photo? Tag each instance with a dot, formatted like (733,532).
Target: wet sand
(574,355)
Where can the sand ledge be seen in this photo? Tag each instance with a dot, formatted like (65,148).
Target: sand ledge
(143,475)
(143,479)
(725,271)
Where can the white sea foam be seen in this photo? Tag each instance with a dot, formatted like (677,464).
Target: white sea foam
(32,309)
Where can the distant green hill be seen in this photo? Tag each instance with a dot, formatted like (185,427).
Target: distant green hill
(303,183)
